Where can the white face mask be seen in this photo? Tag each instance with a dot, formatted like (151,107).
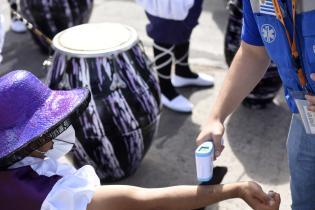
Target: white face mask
(62,144)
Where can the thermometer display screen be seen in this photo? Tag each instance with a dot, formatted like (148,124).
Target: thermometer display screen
(203,149)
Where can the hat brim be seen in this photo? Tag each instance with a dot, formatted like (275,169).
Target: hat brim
(55,115)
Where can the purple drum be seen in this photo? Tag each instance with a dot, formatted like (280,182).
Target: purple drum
(117,129)
(53,16)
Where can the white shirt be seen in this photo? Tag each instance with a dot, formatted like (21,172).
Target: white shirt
(74,191)
(168,9)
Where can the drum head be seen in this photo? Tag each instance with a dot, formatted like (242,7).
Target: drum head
(94,40)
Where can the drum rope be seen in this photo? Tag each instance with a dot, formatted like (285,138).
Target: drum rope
(32,28)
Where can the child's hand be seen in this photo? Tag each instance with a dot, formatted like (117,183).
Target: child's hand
(274,199)
(255,197)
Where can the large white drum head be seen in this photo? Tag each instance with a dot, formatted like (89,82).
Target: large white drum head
(94,40)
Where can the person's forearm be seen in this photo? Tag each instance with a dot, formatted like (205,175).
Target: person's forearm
(169,198)
(248,67)
(191,197)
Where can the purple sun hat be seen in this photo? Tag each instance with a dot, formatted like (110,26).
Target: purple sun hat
(31,114)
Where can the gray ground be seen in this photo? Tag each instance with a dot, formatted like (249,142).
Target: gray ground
(254,141)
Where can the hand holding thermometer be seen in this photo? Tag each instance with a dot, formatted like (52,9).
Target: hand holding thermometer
(204,165)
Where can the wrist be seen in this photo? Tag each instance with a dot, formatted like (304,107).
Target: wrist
(234,190)
(216,117)
(239,190)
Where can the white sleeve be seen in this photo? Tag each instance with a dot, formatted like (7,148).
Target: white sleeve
(168,9)
(73,192)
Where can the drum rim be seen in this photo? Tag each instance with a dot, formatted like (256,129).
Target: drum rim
(96,53)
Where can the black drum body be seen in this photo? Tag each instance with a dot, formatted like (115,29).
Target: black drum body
(267,88)
(265,91)
(53,16)
(120,123)
(232,39)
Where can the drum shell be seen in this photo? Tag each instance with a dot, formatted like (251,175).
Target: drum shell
(267,88)
(265,91)
(53,16)
(232,39)
(119,125)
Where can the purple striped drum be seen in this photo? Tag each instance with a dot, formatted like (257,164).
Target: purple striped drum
(117,129)
(53,16)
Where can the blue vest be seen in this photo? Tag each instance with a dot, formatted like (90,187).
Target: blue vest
(276,43)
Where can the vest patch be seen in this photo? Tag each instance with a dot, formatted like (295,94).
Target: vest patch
(268,33)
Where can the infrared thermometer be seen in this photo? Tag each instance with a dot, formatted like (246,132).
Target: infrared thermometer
(204,161)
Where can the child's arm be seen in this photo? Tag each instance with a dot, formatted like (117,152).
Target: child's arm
(179,197)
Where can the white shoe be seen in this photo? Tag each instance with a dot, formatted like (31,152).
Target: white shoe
(179,104)
(202,80)
(18,26)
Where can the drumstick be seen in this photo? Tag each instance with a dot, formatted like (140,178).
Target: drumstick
(32,28)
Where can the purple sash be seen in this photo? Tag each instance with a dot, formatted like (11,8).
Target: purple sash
(23,188)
